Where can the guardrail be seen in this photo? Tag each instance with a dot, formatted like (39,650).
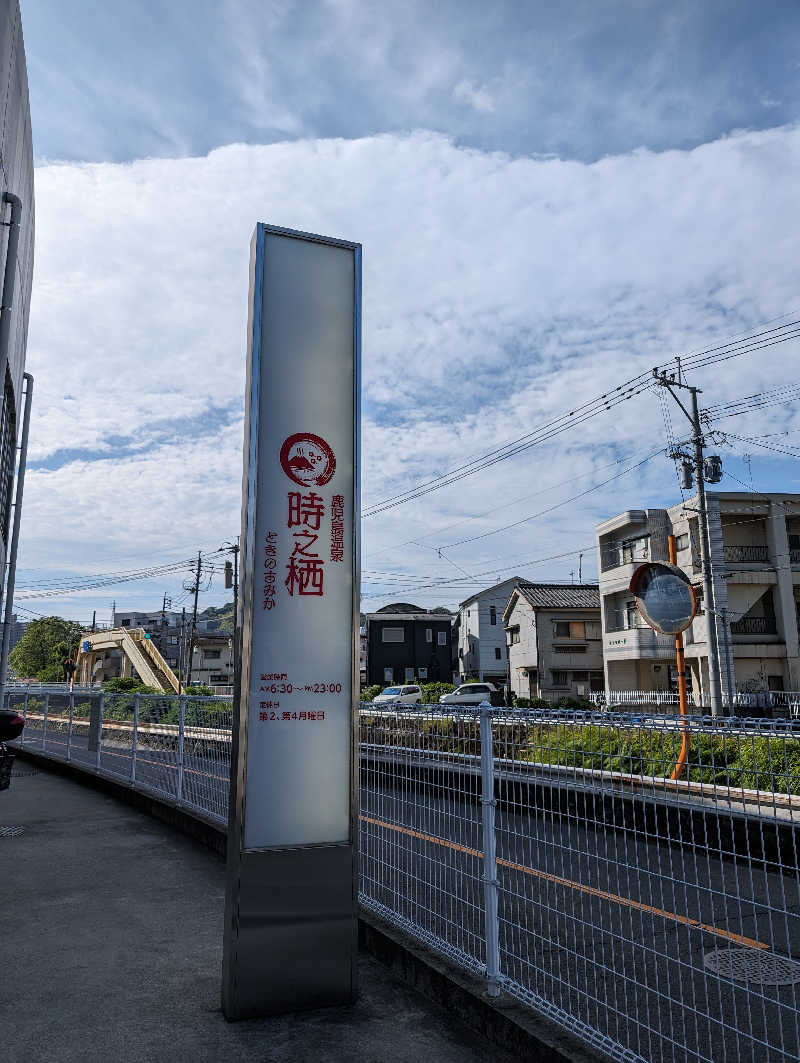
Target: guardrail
(492,836)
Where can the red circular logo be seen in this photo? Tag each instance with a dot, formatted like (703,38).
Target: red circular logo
(307,459)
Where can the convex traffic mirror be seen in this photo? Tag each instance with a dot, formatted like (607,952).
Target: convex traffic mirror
(664,596)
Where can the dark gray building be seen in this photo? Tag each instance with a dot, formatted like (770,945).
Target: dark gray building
(406,643)
(16,178)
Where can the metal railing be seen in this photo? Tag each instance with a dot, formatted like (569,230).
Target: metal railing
(746,554)
(656,919)
(755,625)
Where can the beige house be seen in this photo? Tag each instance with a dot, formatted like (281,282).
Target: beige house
(554,640)
(755,555)
(212,661)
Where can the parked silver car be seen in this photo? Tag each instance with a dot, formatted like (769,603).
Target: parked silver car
(405,695)
(472,694)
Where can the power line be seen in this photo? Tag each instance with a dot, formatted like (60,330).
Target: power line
(587,411)
(557,505)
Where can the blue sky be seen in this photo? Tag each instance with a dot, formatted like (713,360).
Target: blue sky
(551,198)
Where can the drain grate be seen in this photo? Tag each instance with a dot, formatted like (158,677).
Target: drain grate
(11,831)
(752,965)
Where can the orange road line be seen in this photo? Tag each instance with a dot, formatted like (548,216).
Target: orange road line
(593,891)
(161,764)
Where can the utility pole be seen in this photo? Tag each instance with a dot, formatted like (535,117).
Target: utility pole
(196,589)
(182,649)
(94,620)
(669,382)
(580,568)
(232,580)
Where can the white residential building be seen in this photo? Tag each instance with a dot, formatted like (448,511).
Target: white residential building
(554,640)
(755,554)
(482,651)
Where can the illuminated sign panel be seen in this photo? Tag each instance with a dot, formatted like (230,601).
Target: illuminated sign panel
(299,547)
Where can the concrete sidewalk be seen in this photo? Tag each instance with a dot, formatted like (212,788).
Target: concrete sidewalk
(111,931)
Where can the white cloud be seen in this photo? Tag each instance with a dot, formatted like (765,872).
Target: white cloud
(476,96)
(497,292)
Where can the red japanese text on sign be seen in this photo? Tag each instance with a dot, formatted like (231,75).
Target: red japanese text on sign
(270,569)
(305,571)
(337,528)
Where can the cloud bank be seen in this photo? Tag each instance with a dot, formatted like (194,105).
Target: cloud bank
(498,291)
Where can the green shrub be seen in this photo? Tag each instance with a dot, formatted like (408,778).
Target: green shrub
(567,702)
(522,703)
(123,684)
(431,692)
(368,693)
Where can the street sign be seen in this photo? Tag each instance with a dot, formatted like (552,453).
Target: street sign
(290,916)
(664,597)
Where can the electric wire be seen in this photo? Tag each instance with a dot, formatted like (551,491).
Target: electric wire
(608,400)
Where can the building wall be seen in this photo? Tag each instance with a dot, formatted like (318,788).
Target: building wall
(16,175)
(540,649)
(756,572)
(480,639)
(207,667)
(413,653)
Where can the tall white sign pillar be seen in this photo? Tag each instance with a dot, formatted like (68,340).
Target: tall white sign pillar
(290,907)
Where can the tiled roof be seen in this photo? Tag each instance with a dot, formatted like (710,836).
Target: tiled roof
(561,595)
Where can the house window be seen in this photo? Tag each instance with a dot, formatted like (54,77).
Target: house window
(559,678)
(682,541)
(219,679)
(580,677)
(393,634)
(423,673)
(497,654)
(794,542)
(388,675)
(514,636)
(429,634)
(569,629)
(775,682)
(636,550)
(631,615)
(492,615)
(409,675)
(212,655)
(569,649)
(593,629)
(442,638)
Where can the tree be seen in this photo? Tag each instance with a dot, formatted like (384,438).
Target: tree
(43,647)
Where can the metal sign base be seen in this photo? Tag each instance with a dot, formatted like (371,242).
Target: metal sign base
(293,943)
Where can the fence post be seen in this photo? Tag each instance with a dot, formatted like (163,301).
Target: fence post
(99,730)
(25,718)
(135,736)
(69,725)
(490,882)
(44,721)
(181,724)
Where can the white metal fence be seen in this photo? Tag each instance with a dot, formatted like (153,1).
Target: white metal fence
(772,703)
(656,918)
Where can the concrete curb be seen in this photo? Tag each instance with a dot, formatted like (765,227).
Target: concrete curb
(502,1022)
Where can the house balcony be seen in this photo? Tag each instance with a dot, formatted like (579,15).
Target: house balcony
(748,626)
(746,555)
(634,642)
